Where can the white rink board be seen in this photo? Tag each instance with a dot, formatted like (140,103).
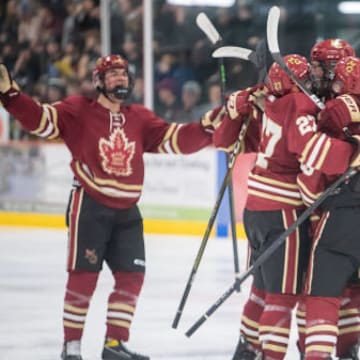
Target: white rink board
(37,177)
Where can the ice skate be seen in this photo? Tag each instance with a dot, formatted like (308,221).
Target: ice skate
(115,350)
(245,352)
(351,354)
(71,351)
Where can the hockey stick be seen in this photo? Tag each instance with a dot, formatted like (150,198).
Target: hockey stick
(213,35)
(212,218)
(256,57)
(273,247)
(272,40)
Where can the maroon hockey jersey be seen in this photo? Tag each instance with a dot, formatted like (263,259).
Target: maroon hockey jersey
(106,148)
(290,144)
(339,114)
(287,145)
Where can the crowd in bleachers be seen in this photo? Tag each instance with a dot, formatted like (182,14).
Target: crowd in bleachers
(50,47)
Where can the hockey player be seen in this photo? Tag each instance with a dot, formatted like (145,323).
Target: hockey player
(107,140)
(241,105)
(324,56)
(335,255)
(288,143)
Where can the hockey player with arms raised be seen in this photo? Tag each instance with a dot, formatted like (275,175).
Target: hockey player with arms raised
(289,143)
(107,140)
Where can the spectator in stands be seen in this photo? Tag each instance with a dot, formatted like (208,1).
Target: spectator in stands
(87,16)
(56,90)
(213,96)
(89,55)
(26,70)
(165,66)
(132,47)
(190,98)
(168,105)
(137,94)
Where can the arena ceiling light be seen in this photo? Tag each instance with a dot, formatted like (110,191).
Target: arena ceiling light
(349,7)
(222,3)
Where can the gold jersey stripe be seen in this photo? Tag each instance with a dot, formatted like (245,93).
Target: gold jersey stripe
(267,180)
(120,306)
(352,311)
(306,190)
(250,322)
(166,138)
(275,198)
(75,309)
(319,348)
(289,244)
(73,325)
(174,140)
(321,328)
(42,123)
(106,191)
(121,323)
(324,152)
(112,183)
(350,329)
(54,122)
(309,145)
(277,348)
(274,329)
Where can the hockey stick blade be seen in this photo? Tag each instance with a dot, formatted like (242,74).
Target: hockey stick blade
(232,52)
(272,39)
(204,23)
(272,30)
(257,57)
(237,52)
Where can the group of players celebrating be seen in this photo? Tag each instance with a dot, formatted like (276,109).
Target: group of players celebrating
(300,151)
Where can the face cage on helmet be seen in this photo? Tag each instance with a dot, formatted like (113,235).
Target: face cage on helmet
(337,87)
(118,92)
(322,86)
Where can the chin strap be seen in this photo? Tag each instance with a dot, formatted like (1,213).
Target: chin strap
(119,92)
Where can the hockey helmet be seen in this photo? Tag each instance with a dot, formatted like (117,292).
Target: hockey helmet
(347,76)
(108,62)
(280,82)
(330,51)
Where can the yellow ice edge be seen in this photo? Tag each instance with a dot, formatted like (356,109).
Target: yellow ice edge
(151,226)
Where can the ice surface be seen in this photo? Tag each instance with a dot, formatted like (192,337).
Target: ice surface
(32,280)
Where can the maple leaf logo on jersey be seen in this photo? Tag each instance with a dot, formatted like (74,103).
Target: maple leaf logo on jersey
(117,153)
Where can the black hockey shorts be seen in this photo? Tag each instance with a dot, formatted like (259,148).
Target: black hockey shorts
(284,271)
(335,256)
(97,233)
